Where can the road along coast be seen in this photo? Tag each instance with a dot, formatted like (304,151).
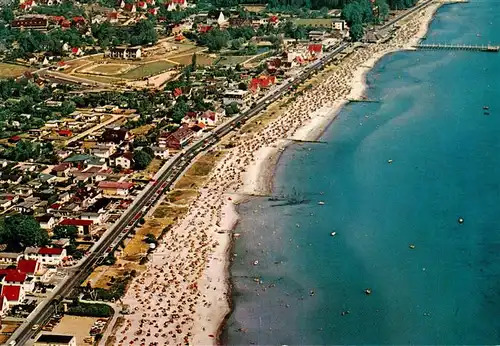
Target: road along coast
(184,296)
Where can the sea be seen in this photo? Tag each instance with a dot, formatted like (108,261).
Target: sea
(394,177)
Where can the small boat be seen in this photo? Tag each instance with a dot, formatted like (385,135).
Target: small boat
(368,291)
(321,203)
(486,107)
(237,235)
(333,234)
(460,220)
(311,293)
(255,262)
(389,161)
(412,246)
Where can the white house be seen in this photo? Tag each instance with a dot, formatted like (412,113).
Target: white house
(123,160)
(13,294)
(209,118)
(125,52)
(173,5)
(51,256)
(33,269)
(161,153)
(240,97)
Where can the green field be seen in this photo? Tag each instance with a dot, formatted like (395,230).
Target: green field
(319,22)
(233,60)
(148,69)
(201,59)
(11,70)
(108,68)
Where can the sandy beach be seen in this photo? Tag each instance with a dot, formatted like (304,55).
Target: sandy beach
(184,295)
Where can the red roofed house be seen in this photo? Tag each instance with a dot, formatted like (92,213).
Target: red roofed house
(113,17)
(65,24)
(61,65)
(33,269)
(116,189)
(65,133)
(177,139)
(14,277)
(51,256)
(315,50)
(84,226)
(79,20)
(177,92)
(153,11)
(173,5)
(76,51)
(204,28)
(274,20)
(130,8)
(14,139)
(261,82)
(27,5)
(13,294)
(209,118)
(142,5)
(151,2)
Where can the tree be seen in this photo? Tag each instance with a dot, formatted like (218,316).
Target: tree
(7,14)
(19,231)
(357,32)
(141,159)
(62,231)
(179,110)
(193,62)
(67,107)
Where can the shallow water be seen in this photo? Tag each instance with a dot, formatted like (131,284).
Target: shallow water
(446,154)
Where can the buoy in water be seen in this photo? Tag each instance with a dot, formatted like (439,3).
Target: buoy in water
(460,220)
(333,234)
(368,291)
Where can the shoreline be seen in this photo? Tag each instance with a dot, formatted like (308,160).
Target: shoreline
(185,295)
(263,170)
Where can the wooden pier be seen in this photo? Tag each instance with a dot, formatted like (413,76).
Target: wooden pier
(476,48)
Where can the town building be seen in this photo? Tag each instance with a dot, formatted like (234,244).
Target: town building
(177,139)
(84,227)
(30,22)
(115,189)
(55,340)
(122,52)
(173,5)
(241,97)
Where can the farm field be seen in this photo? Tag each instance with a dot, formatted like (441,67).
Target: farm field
(11,70)
(148,69)
(111,69)
(201,59)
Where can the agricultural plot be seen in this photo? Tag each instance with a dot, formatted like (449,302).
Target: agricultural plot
(147,70)
(11,70)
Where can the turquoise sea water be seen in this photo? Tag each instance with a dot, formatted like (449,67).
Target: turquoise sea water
(446,165)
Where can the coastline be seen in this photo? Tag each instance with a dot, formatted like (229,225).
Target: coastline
(186,289)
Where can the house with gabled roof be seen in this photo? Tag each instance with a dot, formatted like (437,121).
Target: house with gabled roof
(14,294)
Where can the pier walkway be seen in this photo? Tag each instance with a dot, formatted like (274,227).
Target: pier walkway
(440,46)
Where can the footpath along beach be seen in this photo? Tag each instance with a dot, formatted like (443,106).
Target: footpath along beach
(183,297)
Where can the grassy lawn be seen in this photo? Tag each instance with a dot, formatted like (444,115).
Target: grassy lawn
(102,79)
(201,59)
(141,130)
(148,69)
(233,60)
(254,8)
(137,247)
(109,68)
(11,70)
(313,22)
